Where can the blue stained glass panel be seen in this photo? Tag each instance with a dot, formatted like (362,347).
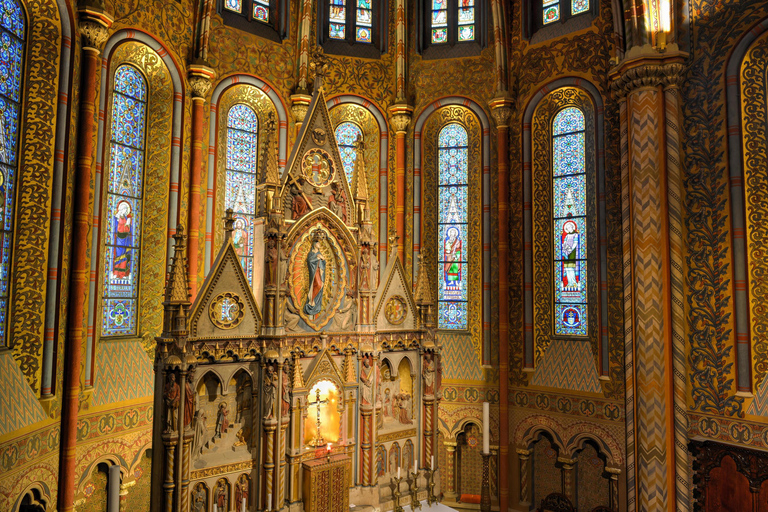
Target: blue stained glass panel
(336,31)
(439,18)
(8,177)
(453,165)
(9,131)
(439,4)
(129,129)
(130,82)
(242,149)
(10,66)
(12,17)
(568,154)
(234,5)
(452,315)
(570,196)
(240,192)
(568,120)
(571,319)
(346,136)
(364,4)
(338,11)
(453,135)
(261,13)
(452,205)
(242,240)
(242,117)
(579,6)
(119,317)
(571,282)
(125,171)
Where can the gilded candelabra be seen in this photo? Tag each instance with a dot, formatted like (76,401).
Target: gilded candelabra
(430,474)
(414,490)
(396,492)
(485,492)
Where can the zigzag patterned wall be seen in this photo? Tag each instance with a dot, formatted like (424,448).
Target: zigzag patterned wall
(568,364)
(123,372)
(459,361)
(18,405)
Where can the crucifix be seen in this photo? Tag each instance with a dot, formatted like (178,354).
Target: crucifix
(318,441)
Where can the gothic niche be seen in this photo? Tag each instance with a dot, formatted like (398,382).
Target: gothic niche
(323,412)
(397,404)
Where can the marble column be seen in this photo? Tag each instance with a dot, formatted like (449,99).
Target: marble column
(93,25)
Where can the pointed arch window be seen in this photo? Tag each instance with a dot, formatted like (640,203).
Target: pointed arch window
(569,181)
(347,134)
(266,18)
(353,27)
(241,180)
(122,246)
(451,28)
(12,28)
(452,220)
(551,13)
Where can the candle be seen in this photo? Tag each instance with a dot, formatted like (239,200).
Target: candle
(242,509)
(269,501)
(432,462)
(398,471)
(214,508)
(415,466)
(486,427)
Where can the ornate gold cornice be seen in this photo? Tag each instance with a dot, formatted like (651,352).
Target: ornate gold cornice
(659,70)
(93,25)
(400,117)
(501,110)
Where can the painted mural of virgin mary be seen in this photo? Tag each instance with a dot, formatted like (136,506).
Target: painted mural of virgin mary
(316,266)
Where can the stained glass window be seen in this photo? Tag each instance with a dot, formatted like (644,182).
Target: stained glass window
(452,20)
(122,244)
(240,191)
(560,10)
(452,190)
(251,9)
(357,24)
(346,135)
(571,230)
(12,27)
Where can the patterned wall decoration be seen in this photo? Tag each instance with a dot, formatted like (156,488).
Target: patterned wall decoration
(365,120)
(33,198)
(441,117)
(262,105)
(123,372)
(541,213)
(546,475)
(156,176)
(567,364)
(591,487)
(714,29)
(18,404)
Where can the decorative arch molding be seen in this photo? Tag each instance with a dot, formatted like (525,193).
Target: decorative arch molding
(418,221)
(602,251)
(282,119)
(111,459)
(164,87)
(739,200)
(376,111)
(38,487)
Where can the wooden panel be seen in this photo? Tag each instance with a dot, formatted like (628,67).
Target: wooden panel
(326,484)
(728,490)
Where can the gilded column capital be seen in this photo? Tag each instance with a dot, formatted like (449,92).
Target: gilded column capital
(667,71)
(94,24)
(300,106)
(400,117)
(201,78)
(501,110)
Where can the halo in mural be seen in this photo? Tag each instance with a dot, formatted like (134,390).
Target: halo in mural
(317,168)
(395,310)
(318,276)
(226,310)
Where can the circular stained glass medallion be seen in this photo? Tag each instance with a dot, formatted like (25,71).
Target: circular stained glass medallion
(317,168)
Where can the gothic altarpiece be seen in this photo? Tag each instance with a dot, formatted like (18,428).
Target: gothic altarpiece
(331,351)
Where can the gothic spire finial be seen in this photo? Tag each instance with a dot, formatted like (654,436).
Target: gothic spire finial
(177,288)
(229,224)
(319,64)
(423,295)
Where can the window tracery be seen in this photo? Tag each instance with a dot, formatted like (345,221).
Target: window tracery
(353,27)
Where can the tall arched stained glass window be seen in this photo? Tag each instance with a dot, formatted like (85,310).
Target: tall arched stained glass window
(346,136)
(240,193)
(569,180)
(452,216)
(11,64)
(124,202)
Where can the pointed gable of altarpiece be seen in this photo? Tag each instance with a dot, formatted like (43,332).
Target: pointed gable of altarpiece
(395,309)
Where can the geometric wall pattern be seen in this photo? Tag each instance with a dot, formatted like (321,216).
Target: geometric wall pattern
(759,406)
(123,372)
(18,405)
(459,359)
(567,364)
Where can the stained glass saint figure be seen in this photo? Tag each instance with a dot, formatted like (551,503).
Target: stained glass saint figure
(123,229)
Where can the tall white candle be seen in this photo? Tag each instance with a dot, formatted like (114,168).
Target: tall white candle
(214,508)
(432,462)
(242,509)
(486,427)
(415,466)
(269,501)
(398,471)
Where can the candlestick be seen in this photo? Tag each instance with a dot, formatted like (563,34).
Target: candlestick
(486,427)
(485,487)
(395,484)
(432,462)
(398,471)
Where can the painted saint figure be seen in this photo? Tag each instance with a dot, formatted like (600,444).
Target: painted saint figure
(270,392)
(452,258)
(366,379)
(221,496)
(569,249)
(428,372)
(222,420)
(189,402)
(240,241)
(172,396)
(122,228)
(316,266)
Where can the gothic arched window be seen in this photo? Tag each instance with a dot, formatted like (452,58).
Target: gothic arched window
(451,28)
(548,13)
(241,178)
(569,181)
(12,26)
(346,135)
(124,202)
(266,18)
(353,27)
(452,219)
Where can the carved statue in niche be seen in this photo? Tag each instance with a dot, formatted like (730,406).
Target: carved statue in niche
(336,202)
(346,315)
(300,204)
(402,406)
(365,267)
(374,267)
(366,382)
(222,495)
(271,260)
(171,398)
(200,498)
(316,265)
(285,405)
(241,492)
(387,404)
(270,391)
(222,420)
(428,372)
(189,402)
(201,433)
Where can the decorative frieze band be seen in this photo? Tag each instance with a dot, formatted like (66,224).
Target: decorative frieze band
(665,75)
